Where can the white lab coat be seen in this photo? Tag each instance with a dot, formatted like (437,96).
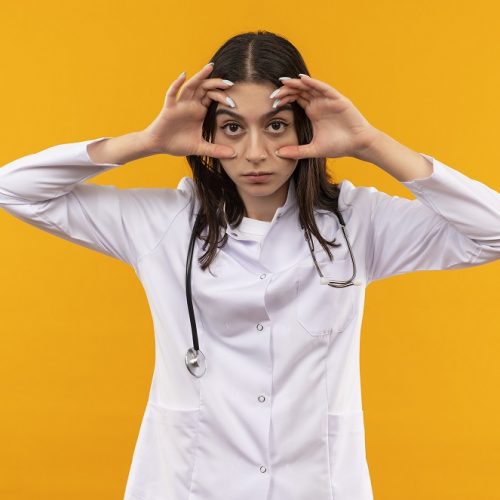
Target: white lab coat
(278,414)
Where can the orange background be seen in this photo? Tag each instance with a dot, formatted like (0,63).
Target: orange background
(76,339)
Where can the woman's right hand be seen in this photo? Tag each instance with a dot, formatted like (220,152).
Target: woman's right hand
(177,130)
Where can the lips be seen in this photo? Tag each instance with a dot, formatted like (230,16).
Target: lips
(258,173)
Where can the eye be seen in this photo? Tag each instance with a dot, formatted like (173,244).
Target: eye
(279,122)
(237,125)
(230,124)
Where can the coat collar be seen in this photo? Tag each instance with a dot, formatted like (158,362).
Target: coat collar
(287,209)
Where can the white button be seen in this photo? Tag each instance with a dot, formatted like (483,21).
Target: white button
(260,327)
(262,469)
(261,398)
(262,276)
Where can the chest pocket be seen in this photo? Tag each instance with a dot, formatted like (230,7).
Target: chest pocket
(323,309)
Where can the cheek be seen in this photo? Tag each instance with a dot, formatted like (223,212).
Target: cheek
(291,135)
(227,168)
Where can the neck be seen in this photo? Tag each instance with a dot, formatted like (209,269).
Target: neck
(264,207)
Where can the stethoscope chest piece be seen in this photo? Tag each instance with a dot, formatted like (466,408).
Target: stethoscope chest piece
(195,359)
(196,362)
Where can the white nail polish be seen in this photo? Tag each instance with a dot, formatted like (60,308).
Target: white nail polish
(229,82)
(284,78)
(274,94)
(276,102)
(230,102)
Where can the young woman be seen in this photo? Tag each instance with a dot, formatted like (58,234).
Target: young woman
(267,405)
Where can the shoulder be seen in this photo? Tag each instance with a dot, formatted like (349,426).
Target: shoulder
(148,213)
(360,197)
(353,197)
(162,202)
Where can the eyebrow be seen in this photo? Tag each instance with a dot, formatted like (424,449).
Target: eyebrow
(273,112)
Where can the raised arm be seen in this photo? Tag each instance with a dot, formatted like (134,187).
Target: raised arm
(47,189)
(453,223)
(121,149)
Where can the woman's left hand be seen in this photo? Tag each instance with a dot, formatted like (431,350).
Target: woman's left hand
(339,129)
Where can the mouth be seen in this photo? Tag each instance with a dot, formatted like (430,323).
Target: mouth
(258,177)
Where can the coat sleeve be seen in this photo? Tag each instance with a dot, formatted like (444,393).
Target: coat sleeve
(47,190)
(453,223)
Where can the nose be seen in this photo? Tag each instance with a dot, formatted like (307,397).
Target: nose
(256,148)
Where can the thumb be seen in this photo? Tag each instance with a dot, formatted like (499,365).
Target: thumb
(296,152)
(215,150)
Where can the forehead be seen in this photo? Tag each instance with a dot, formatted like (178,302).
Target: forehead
(251,88)
(252,101)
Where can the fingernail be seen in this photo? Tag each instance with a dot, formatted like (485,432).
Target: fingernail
(212,63)
(229,82)
(183,74)
(274,94)
(230,102)
(276,102)
(234,155)
(284,78)
(302,74)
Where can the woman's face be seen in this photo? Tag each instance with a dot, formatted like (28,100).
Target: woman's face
(255,130)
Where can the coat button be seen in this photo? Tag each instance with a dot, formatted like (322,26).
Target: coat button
(262,469)
(261,398)
(262,276)
(260,327)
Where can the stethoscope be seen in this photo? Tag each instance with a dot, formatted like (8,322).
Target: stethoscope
(195,359)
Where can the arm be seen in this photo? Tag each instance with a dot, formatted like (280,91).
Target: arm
(455,220)
(453,223)
(47,190)
(396,159)
(121,149)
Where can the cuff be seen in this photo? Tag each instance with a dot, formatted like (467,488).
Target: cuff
(87,158)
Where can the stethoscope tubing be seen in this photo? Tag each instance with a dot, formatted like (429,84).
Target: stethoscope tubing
(195,359)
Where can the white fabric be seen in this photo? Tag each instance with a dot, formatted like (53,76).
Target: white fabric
(254,227)
(267,327)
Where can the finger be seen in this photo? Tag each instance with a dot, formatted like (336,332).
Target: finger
(322,87)
(296,83)
(303,101)
(170,97)
(297,152)
(213,95)
(192,84)
(206,148)
(211,84)
(284,92)
(214,83)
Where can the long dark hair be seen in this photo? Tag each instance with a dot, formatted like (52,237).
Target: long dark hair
(257,57)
